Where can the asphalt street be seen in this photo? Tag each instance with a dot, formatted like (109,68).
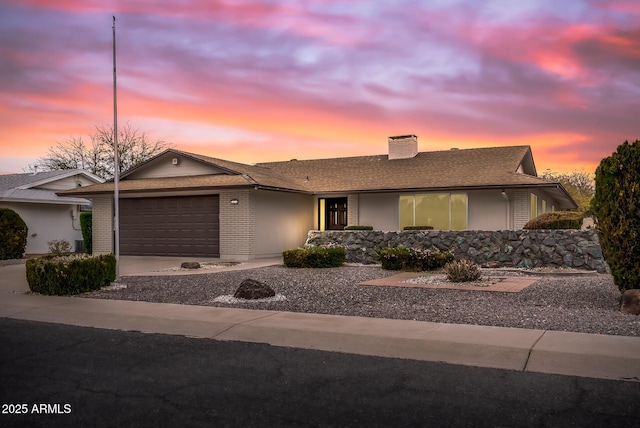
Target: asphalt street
(60,375)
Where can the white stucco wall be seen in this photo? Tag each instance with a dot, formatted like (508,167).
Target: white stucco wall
(379,210)
(487,210)
(67,183)
(164,167)
(48,222)
(282,221)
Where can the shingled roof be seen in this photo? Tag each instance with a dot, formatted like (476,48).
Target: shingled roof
(494,167)
(33,187)
(486,167)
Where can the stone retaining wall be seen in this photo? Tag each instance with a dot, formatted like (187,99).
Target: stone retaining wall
(577,249)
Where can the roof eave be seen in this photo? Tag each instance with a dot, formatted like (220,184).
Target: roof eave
(64,201)
(160,190)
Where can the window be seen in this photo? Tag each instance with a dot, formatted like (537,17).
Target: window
(533,206)
(442,211)
(544,206)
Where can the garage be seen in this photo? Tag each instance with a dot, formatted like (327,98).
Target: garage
(170,226)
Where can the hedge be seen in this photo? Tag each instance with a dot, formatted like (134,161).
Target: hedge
(402,258)
(556,220)
(315,257)
(70,274)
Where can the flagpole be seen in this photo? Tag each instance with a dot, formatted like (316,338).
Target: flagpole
(116,169)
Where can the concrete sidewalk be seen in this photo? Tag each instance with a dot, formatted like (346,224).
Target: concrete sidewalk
(576,354)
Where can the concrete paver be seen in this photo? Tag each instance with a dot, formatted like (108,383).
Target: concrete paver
(576,354)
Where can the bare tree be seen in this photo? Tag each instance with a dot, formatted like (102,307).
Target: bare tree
(579,184)
(96,156)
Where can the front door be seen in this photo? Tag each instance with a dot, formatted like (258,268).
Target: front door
(336,213)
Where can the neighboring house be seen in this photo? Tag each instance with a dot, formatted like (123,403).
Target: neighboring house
(180,203)
(48,216)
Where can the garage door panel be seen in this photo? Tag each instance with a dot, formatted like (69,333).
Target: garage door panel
(175,226)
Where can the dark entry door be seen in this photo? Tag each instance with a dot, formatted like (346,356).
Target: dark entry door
(336,214)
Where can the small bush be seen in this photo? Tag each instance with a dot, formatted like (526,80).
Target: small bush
(556,220)
(462,271)
(417,228)
(315,257)
(412,259)
(355,227)
(13,233)
(59,246)
(86,222)
(70,274)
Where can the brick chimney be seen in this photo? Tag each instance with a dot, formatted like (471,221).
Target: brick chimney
(403,147)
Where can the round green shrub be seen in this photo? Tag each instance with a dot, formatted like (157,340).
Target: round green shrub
(556,220)
(616,209)
(13,233)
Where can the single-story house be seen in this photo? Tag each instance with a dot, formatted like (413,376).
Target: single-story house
(48,216)
(185,204)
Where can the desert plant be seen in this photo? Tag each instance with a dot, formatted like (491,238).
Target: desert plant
(462,271)
(13,235)
(358,227)
(59,246)
(616,209)
(556,220)
(402,258)
(331,255)
(86,222)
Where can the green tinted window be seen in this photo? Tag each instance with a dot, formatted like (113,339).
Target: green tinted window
(442,211)
(458,211)
(433,210)
(407,204)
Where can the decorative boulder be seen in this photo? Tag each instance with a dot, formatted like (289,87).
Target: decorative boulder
(251,289)
(631,302)
(190,265)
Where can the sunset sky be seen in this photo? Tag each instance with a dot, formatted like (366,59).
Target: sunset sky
(254,81)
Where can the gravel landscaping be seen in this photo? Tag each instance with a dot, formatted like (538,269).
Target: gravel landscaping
(577,303)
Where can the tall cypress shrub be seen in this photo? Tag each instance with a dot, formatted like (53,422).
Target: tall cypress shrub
(86,222)
(616,208)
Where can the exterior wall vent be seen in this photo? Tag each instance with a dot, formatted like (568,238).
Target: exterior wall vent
(175,161)
(403,147)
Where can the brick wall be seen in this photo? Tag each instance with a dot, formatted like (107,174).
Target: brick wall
(102,225)
(237,223)
(521,201)
(352,210)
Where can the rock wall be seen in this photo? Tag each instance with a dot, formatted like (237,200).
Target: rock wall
(577,249)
